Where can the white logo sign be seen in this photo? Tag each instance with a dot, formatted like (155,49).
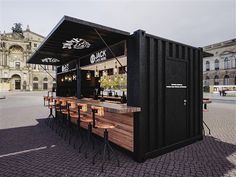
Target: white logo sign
(176,86)
(65,68)
(98,57)
(76,44)
(50,60)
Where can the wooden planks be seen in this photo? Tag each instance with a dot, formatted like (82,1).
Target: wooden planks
(122,134)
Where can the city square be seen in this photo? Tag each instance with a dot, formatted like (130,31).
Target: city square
(116,88)
(30,148)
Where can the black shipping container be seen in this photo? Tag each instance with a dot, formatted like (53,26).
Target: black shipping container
(165,80)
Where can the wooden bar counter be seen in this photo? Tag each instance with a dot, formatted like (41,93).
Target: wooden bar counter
(120,115)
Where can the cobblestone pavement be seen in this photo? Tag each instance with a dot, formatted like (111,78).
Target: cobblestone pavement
(28,148)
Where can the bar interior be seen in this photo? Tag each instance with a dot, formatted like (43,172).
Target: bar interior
(142,90)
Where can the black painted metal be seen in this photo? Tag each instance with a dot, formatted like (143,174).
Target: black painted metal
(69,28)
(165,122)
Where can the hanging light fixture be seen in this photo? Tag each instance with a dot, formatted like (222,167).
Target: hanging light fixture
(66,78)
(104,71)
(115,69)
(70,78)
(96,72)
(88,76)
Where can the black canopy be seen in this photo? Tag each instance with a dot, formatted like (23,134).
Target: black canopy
(72,39)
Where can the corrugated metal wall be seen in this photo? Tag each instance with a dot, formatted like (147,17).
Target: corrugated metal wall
(147,55)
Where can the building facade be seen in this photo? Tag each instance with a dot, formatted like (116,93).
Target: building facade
(15,74)
(220,69)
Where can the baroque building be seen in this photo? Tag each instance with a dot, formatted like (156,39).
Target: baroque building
(219,71)
(15,74)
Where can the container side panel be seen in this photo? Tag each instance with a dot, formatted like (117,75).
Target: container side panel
(152,92)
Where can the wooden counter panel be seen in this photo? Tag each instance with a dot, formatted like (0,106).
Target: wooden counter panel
(122,134)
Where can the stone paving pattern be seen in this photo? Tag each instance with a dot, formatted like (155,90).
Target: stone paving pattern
(22,128)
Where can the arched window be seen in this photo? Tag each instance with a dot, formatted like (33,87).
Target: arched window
(207,66)
(45,79)
(35,83)
(45,83)
(207,81)
(216,80)
(35,79)
(227,63)
(216,64)
(226,80)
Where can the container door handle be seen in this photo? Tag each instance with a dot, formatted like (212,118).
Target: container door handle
(185,102)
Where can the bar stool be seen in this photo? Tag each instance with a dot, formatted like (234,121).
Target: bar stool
(70,123)
(81,116)
(75,114)
(71,107)
(99,111)
(56,107)
(50,106)
(61,120)
(45,99)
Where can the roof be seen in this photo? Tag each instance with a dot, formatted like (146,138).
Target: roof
(207,54)
(72,39)
(25,31)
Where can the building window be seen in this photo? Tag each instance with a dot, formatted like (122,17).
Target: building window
(17,65)
(45,83)
(216,64)
(35,45)
(53,68)
(235,62)
(207,81)
(216,80)
(226,80)
(35,83)
(122,70)
(207,66)
(34,67)
(227,63)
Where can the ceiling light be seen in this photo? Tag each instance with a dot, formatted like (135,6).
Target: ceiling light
(88,76)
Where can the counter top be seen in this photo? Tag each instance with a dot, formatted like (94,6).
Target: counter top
(108,107)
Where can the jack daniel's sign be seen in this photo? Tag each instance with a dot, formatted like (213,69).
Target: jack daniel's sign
(98,57)
(103,55)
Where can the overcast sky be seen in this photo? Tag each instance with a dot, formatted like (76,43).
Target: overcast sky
(194,22)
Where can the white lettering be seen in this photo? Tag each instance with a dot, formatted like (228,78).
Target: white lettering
(65,68)
(98,57)
(50,60)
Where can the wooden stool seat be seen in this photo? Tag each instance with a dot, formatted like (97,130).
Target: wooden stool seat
(64,112)
(82,118)
(51,104)
(86,119)
(103,125)
(45,98)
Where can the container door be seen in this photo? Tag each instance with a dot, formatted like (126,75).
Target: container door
(176,101)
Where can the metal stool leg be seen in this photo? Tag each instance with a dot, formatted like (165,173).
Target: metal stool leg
(106,148)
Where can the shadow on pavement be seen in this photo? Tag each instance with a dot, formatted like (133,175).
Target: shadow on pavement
(39,151)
